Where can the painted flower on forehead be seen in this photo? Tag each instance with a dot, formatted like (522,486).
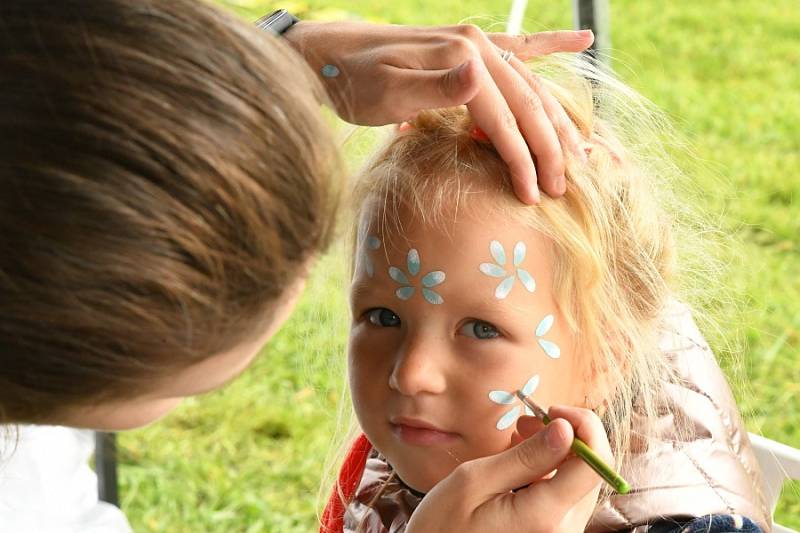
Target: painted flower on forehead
(429,280)
(498,269)
(370,242)
(510,398)
(550,348)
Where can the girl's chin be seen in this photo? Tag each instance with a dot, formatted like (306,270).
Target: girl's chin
(422,476)
(420,484)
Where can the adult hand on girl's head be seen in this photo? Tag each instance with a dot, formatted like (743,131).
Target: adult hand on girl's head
(388,74)
(478,495)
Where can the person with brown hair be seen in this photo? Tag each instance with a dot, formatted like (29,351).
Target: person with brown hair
(167,179)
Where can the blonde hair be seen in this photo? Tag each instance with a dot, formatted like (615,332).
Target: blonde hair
(612,232)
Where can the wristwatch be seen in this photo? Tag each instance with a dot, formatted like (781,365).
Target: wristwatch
(277,22)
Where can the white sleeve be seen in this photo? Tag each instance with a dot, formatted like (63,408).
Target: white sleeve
(47,486)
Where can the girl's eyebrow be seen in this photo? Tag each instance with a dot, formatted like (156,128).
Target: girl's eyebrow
(494,310)
(490,308)
(362,289)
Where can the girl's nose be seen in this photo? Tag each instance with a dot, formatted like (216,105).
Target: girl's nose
(419,368)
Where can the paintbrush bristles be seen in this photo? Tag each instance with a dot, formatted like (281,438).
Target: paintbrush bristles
(530,404)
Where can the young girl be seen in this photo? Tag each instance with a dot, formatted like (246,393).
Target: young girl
(461,295)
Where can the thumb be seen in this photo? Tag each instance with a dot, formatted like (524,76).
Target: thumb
(526,427)
(460,84)
(525,463)
(419,89)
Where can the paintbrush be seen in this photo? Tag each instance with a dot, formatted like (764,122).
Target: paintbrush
(582,450)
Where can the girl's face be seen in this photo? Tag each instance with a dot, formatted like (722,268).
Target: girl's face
(445,327)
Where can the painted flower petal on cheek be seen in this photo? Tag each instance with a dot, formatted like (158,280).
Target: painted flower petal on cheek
(431,296)
(490,269)
(519,253)
(504,288)
(404,293)
(398,275)
(502,397)
(413,262)
(550,348)
(544,326)
(509,398)
(527,280)
(432,279)
(373,243)
(508,419)
(531,385)
(498,253)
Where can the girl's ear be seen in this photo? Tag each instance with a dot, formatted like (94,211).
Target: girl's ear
(602,383)
(612,147)
(597,389)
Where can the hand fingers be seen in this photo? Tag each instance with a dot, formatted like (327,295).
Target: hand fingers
(491,112)
(587,425)
(566,130)
(510,103)
(535,125)
(527,426)
(574,479)
(543,122)
(430,89)
(543,43)
(517,466)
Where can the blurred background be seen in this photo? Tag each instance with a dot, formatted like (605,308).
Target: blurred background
(250,458)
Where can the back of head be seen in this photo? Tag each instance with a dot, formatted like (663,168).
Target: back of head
(611,232)
(165,174)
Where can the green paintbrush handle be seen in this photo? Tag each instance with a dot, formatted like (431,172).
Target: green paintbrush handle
(582,450)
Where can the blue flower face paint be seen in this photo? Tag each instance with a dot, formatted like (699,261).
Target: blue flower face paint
(497,270)
(330,71)
(502,397)
(510,398)
(549,347)
(445,349)
(370,243)
(429,280)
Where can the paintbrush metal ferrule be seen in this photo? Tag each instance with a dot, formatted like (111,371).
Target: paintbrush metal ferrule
(538,412)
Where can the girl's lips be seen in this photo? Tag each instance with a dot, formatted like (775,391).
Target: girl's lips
(420,433)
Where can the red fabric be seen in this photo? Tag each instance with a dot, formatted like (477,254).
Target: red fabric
(346,485)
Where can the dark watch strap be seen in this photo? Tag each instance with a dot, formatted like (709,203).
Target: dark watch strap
(277,22)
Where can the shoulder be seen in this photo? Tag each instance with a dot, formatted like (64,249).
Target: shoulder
(46,482)
(728,523)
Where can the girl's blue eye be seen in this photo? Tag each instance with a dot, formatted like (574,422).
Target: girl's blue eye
(479,330)
(385,318)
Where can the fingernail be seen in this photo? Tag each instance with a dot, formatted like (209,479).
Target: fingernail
(537,197)
(554,437)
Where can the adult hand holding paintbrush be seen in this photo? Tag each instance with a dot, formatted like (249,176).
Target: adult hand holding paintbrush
(582,450)
(484,495)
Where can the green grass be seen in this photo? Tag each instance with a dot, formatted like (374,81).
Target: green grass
(249,458)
